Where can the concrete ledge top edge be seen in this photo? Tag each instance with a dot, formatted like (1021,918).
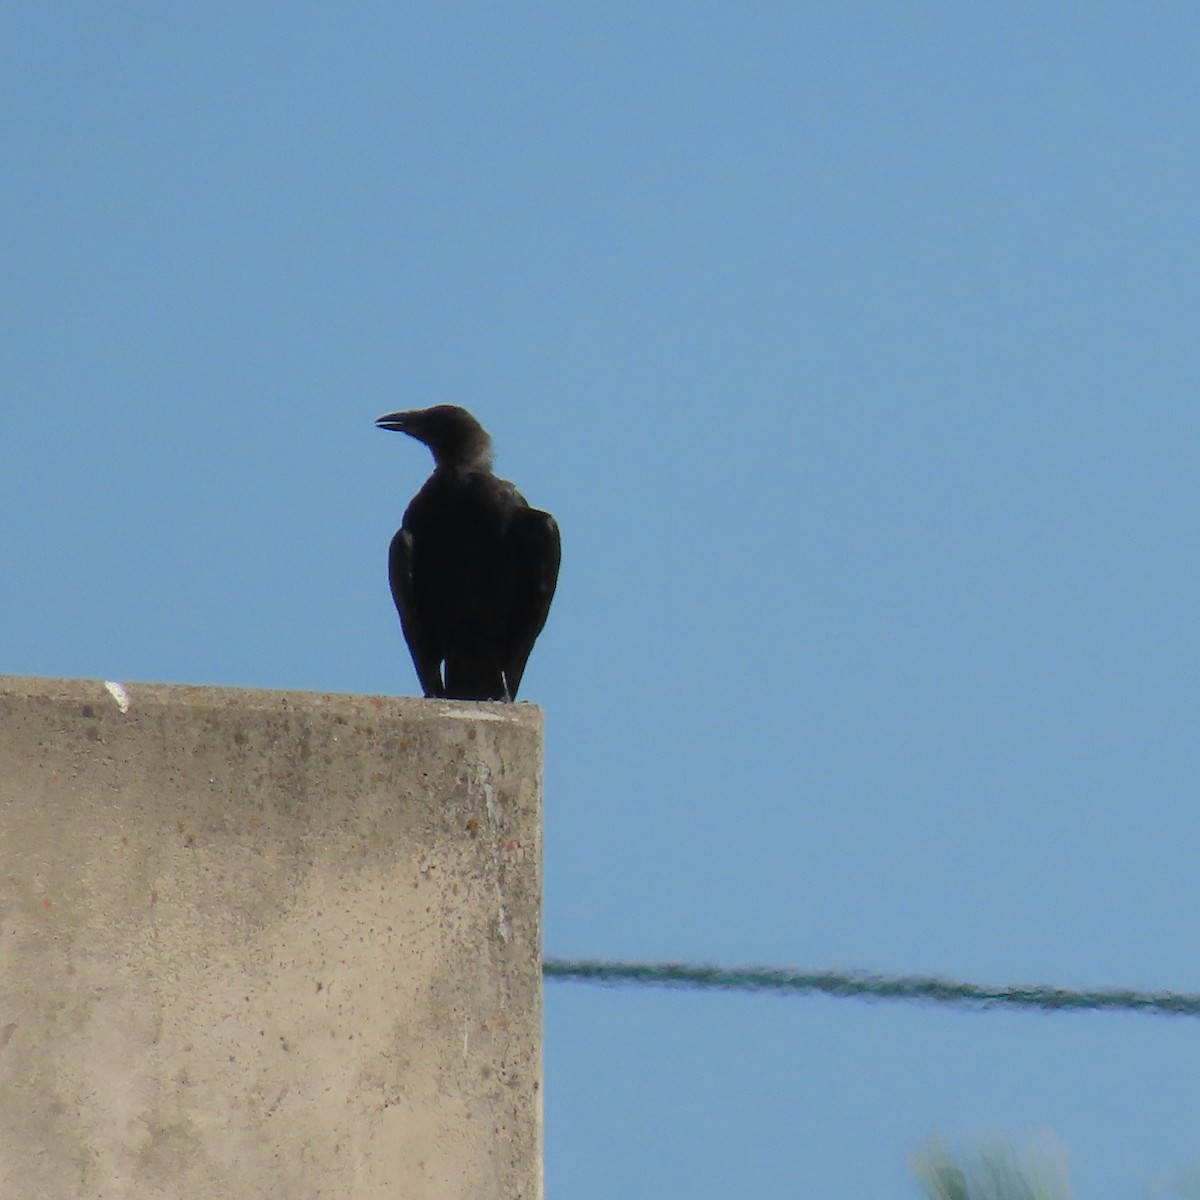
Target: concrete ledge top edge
(126,695)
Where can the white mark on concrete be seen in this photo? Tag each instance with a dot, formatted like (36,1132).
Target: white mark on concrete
(459,715)
(466,1034)
(119,694)
(482,779)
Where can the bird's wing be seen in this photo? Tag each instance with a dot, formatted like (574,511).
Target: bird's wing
(537,550)
(425,656)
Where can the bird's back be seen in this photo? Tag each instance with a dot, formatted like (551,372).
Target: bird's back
(464,575)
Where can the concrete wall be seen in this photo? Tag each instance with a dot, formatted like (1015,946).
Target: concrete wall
(267,944)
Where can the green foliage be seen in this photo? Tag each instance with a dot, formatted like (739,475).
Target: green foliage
(990,1173)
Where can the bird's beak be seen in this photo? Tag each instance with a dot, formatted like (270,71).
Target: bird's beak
(397,421)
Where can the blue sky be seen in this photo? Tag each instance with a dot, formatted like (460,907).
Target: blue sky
(854,347)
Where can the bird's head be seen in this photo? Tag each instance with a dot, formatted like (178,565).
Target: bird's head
(451,433)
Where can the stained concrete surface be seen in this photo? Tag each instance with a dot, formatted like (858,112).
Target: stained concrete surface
(267,944)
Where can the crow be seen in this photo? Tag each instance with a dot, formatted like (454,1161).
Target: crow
(472,567)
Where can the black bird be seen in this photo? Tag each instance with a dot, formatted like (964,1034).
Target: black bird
(473,567)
